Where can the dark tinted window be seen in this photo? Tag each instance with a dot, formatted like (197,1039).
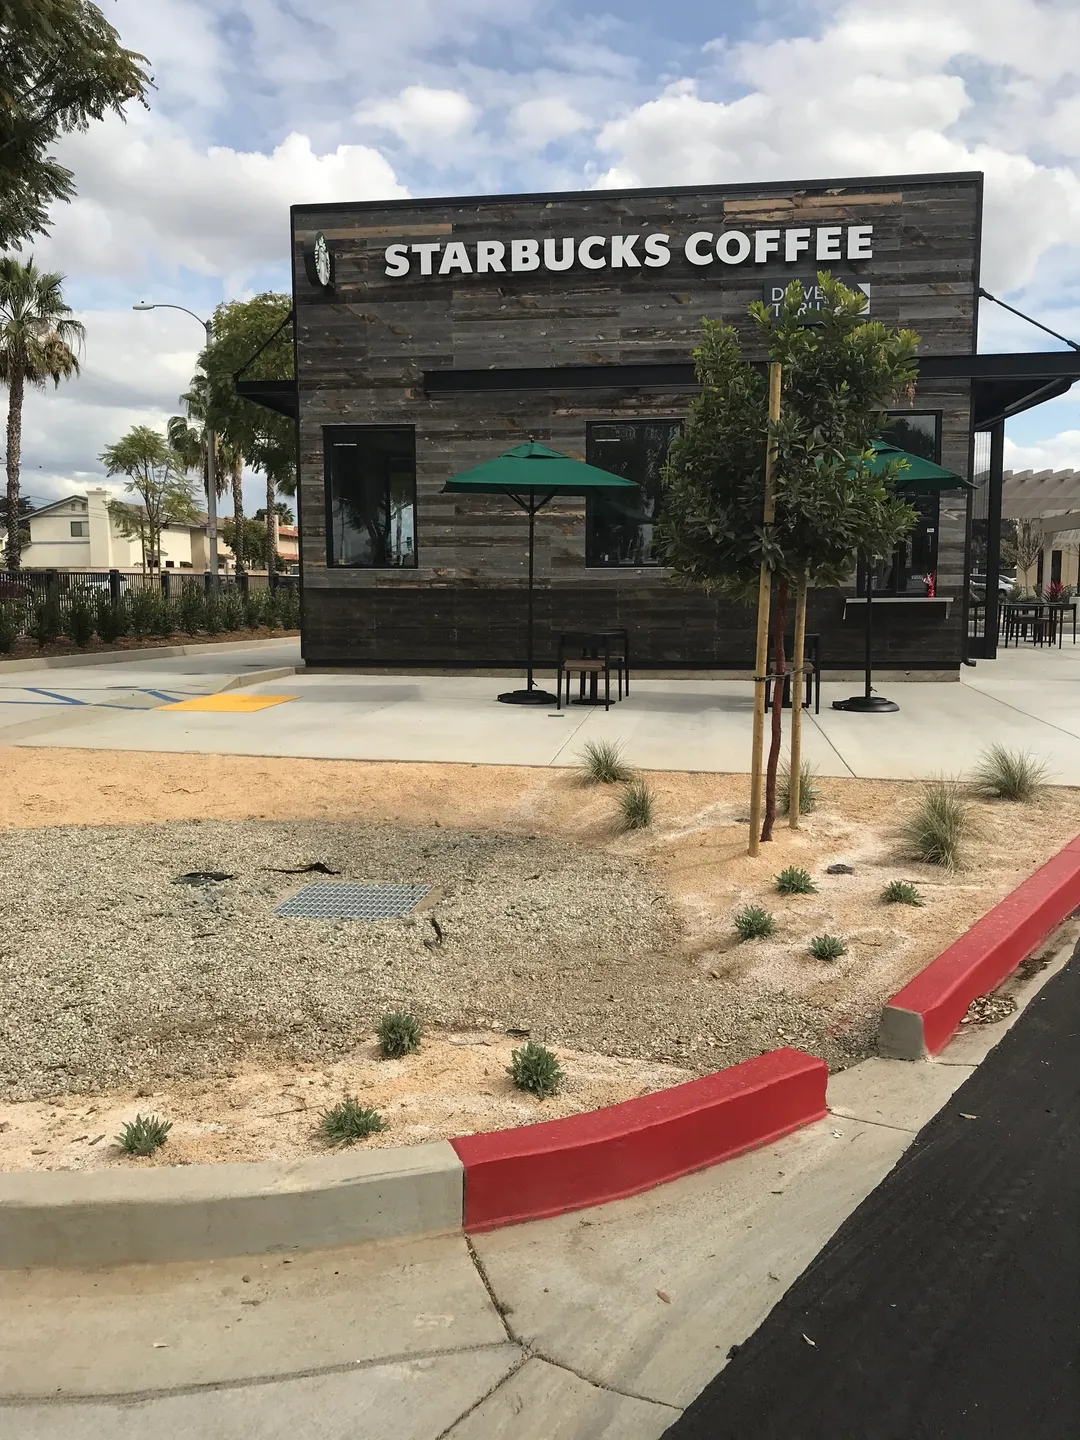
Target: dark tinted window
(371,496)
(620,531)
(905,571)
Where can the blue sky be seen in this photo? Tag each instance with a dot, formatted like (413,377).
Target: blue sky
(260,103)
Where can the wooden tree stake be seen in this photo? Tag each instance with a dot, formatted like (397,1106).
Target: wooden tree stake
(797,662)
(761,654)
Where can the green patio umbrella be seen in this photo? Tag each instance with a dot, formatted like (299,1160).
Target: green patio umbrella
(921,477)
(532,475)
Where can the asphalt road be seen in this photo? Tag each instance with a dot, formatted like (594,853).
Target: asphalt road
(948,1304)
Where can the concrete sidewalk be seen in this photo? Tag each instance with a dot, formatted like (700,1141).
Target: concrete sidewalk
(600,1325)
(1027,699)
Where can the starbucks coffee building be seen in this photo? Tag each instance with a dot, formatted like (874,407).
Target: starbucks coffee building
(431,335)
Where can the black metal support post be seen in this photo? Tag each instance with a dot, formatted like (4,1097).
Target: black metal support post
(868,703)
(531,695)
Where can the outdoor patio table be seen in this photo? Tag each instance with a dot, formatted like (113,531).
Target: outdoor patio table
(615,641)
(1046,618)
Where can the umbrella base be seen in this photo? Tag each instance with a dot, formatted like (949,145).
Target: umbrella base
(527,697)
(867,705)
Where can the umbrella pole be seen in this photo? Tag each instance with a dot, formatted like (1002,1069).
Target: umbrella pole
(529,683)
(532,694)
(868,703)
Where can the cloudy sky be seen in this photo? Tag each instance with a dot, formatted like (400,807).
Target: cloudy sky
(261,103)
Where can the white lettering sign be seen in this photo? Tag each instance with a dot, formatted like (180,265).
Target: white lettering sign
(629,252)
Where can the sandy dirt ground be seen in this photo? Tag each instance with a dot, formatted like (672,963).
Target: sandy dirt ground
(730,1000)
(455,1085)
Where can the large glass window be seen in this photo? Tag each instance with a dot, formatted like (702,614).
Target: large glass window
(619,531)
(371,495)
(906,571)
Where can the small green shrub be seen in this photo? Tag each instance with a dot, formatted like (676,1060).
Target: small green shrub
(256,605)
(1002,774)
(191,607)
(827,947)
(144,1135)
(165,618)
(534,1068)
(636,805)
(232,610)
(901,892)
(602,764)
(939,826)
(793,881)
(212,620)
(79,621)
(106,617)
(9,629)
(809,790)
(349,1121)
(754,923)
(142,610)
(399,1034)
(288,606)
(47,623)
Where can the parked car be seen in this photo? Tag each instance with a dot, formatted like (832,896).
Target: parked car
(1005,584)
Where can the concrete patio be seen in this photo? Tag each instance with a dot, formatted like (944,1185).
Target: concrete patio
(1027,699)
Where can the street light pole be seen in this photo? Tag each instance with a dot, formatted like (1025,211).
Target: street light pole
(211,452)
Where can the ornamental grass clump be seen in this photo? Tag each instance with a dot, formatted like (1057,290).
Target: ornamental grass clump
(1002,774)
(827,947)
(901,892)
(349,1121)
(602,764)
(535,1069)
(942,822)
(809,790)
(793,881)
(754,923)
(399,1034)
(144,1135)
(636,805)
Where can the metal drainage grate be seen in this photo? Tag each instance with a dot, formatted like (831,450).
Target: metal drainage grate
(342,901)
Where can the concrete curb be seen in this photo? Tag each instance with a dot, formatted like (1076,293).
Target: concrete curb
(920,1020)
(559,1165)
(207,1212)
(125,657)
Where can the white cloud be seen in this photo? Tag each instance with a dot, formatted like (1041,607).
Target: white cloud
(426,121)
(1056,452)
(150,198)
(534,124)
(878,92)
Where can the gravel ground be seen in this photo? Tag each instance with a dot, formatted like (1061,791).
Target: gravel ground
(111,974)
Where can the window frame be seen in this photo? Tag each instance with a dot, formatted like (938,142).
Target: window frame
(679,422)
(330,433)
(81,533)
(894,568)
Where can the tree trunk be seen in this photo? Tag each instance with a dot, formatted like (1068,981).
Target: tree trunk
(238,510)
(779,666)
(14,455)
(271,527)
(798,684)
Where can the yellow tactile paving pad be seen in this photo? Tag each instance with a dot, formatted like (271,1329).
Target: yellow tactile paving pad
(230,703)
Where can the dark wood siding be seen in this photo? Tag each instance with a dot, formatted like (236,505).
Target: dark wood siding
(362,352)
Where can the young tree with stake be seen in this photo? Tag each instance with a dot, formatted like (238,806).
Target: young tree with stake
(157,477)
(837,378)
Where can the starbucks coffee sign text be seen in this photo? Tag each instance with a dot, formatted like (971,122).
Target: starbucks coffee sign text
(823,243)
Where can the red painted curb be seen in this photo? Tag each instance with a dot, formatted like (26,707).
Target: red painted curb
(558,1165)
(922,1018)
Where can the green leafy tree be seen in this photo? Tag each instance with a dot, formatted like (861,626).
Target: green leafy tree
(840,376)
(61,66)
(187,438)
(156,476)
(265,441)
(39,341)
(252,543)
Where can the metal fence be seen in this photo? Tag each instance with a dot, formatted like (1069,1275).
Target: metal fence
(50,603)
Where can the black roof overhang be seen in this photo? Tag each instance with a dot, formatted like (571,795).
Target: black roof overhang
(1004,384)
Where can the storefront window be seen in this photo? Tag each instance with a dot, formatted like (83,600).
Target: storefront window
(911,568)
(371,495)
(620,531)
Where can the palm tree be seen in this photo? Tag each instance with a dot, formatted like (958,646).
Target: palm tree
(39,340)
(190,445)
